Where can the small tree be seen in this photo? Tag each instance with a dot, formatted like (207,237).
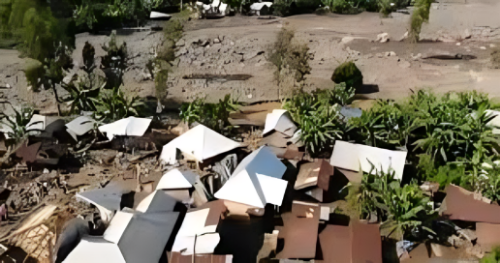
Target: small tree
(348,73)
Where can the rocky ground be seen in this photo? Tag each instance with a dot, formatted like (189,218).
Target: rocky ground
(213,51)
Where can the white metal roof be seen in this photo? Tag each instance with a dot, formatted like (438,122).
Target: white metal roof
(256,181)
(200,142)
(356,156)
(176,179)
(130,126)
(279,120)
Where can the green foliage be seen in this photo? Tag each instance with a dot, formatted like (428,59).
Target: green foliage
(114,105)
(317,115)
(99,13)
(212,115)
(18,124)
(489,181)
(348,73)
(401,209)
(419,16)
(493,257)
(450,173)
(282,7)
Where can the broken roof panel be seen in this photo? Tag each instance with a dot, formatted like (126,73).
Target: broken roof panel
(28,153)
(199,224)
(37,122)
(300,234)
(256,181)
(157,201)
(130,126)
(459,204)
(80,126)
(200,143)
(335,243)
(314,174)
(366,242)
(95,250)
(356,156)
(106,199)
(281,121)
(176,179)
(117,226)
(356,243)
(146,236)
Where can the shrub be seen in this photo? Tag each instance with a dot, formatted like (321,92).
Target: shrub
(401,209)
(318,116)
(18,124)
(288,57)
(419,16)
(348,73)
(212,115)
(114,105)
(493,257)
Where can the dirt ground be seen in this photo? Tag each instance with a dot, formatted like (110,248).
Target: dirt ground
(239,45)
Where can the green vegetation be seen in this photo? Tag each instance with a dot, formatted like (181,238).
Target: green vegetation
(212,115)
(402,209)
(318,116)
(493,257)
(96,14)
(115,105)
(419,16)
(18,124)
(348,73)
(447,137)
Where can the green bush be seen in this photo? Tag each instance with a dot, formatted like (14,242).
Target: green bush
(348,73)
(401,209)
(318,116)
(212,115)
(493,257)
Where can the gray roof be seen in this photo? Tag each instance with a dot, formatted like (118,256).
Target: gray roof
(146,236)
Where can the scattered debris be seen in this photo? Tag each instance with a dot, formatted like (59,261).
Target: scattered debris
(280,120)
(130,126)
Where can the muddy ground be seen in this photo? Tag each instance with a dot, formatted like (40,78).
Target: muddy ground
(239,45)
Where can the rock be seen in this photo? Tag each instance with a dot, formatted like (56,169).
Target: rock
(493,46)
(405,36)
(216,41)
(418,56)
(383,37)
(458,44)
(346,40)
(404,64)
(482,48)
(46,171)
(390,54)
(232,43)
(466,34)
(180,43)
(379,55)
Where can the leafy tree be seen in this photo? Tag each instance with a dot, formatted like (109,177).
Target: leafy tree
(419,16)
(98,13)
(493,257)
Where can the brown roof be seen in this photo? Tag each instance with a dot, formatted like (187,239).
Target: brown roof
(357,243)
(28,152)
(300,236)
(314,174)
(335,244)
(352,176)
(366,243)
(488,235)
(460,204)
(305,210)
(176,257)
